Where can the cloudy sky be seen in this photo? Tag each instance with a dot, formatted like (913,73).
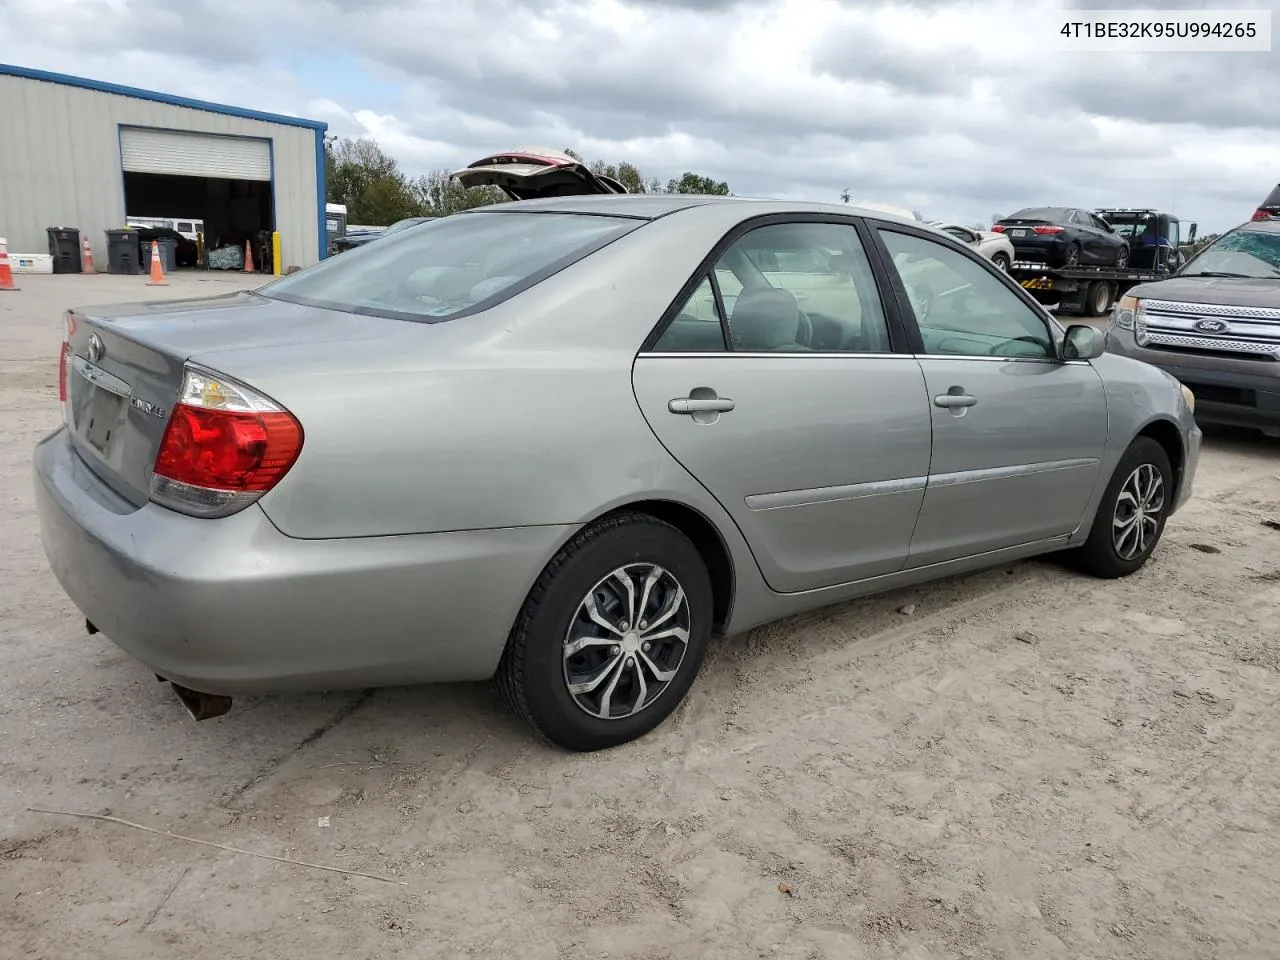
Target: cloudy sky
(958,109)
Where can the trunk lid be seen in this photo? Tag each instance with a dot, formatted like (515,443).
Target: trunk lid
(125,368)
(531,173)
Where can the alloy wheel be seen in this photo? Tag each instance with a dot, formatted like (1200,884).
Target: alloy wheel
(626,641)
(1136,519)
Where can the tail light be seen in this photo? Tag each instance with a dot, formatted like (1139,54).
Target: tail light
(997,227)
(1047,231)
(1261,214)
(224,447)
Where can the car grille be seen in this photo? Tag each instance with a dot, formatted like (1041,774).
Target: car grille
(1247,333)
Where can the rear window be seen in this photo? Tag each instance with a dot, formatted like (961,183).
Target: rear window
(185,228)
(1273,199)
(450,267)
(1038,213)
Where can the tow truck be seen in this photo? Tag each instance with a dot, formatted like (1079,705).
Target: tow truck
(1154,254)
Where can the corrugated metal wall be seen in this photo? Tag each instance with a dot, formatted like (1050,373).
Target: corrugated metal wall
(60,165)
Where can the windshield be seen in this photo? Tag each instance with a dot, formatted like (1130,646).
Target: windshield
(1253,254)
(451,266)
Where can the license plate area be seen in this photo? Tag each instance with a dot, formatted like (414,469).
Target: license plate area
(1017,233)
(99,407)
(103,419)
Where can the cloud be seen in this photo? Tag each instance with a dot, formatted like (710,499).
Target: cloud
(956,107)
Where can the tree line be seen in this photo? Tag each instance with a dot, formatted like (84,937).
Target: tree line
(377,192)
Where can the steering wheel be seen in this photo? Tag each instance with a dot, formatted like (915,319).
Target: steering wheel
(922,301)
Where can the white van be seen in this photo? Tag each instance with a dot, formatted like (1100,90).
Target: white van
(187,226)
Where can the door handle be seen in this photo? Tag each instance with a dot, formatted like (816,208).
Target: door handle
(701,405)
(953,400)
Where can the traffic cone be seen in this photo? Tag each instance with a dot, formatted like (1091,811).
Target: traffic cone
(248,258)
(6,271)
(86,256)
(157,269)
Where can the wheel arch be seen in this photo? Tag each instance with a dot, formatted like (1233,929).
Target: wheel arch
(1169,436)
(706,538)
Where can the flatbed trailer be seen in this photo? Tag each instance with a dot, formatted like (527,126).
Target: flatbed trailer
(1089,291)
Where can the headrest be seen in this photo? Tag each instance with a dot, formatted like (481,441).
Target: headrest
(764,319)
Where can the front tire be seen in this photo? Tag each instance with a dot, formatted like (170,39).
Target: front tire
(1001,262)
(1131,517)
(612,635)
(1122,258)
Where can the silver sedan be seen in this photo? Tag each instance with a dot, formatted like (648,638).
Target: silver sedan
(564,442)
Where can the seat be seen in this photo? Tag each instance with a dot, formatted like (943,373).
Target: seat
(766,319)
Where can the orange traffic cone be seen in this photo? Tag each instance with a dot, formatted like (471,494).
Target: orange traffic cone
(6,271)
(86,256)
(157,269)
(248,258)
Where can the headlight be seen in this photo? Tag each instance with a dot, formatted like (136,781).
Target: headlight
(1125,313)
(1188,397)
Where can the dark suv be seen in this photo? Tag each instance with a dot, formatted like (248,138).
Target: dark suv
(1269,209)
(1215,326)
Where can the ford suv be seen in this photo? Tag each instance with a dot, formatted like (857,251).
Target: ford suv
(1215,325)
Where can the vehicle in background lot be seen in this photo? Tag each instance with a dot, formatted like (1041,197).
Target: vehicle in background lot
(1092,291)
(432,458)
(352,240)
(1063,237)
(1155,238)
(527,172)
(1269,209)
(335,219)
(188,227)
(993,245)
(1215,325)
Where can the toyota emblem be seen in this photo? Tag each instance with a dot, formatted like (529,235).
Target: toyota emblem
(95,348)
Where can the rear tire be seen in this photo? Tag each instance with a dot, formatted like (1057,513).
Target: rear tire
(1132,514)
(1100,298)
(1001,262)
(1071,256)
(636,650)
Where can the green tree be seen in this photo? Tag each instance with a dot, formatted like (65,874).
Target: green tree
(370,183)
(438,195)
(697,183)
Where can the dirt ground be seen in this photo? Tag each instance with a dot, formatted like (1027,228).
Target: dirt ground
(1025,764)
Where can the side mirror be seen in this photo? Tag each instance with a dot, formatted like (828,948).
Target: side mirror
(1082,342)
(1191,236)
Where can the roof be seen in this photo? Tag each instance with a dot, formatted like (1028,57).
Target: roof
(137,93)
(651,206)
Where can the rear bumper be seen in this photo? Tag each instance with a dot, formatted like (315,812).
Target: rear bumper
(1228,392)
(233,606)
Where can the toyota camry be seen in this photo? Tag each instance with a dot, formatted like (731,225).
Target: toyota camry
(564,442)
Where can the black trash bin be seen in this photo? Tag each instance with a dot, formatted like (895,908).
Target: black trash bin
(168,254)
(64,247)
(122,252)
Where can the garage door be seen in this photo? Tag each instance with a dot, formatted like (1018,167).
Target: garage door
(143,150)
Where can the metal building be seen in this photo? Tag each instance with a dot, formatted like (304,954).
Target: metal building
(80,153)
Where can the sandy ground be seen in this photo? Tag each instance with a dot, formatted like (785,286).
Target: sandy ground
(1029,764)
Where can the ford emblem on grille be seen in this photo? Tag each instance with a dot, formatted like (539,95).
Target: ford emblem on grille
(1211,325)
(95,348)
